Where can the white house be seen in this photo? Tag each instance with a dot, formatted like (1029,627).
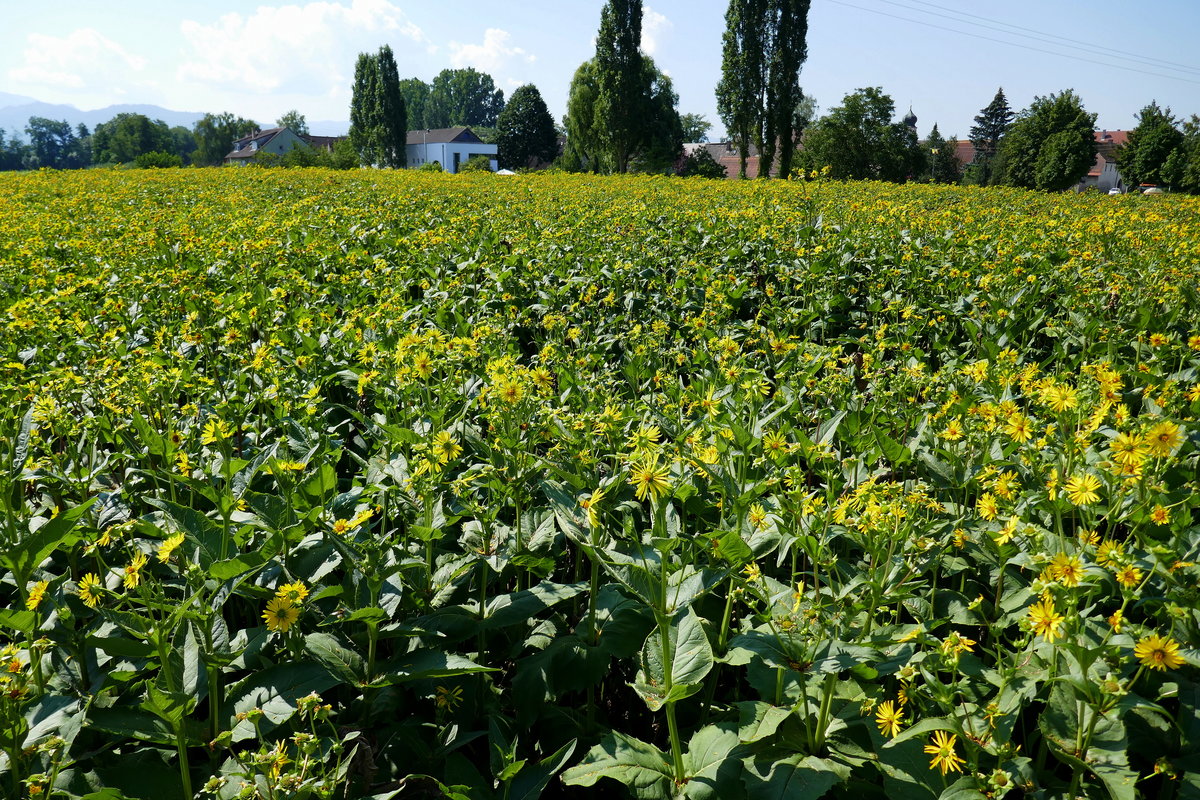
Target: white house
(450,147)
(273,140)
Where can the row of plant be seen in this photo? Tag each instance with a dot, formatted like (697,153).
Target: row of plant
(361,484)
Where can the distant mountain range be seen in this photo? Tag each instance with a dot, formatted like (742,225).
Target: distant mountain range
(15,111)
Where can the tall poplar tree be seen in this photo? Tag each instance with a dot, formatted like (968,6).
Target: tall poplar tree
(622,92)
(378,122)
(763,49)
(393,134)
(740,91)
(364,109)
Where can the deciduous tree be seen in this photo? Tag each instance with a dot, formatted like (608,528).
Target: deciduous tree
(293,121)
(1151,143)
(463,97)
(859,139)
(525,130)
(215,135)
(695,127)
(1051,146)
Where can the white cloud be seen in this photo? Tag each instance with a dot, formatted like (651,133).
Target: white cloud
(83,61)
(654,27)
(303,49)
(491,56)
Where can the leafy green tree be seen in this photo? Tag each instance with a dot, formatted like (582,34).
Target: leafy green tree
(53,143)
(126,136)
(378,118)
(476,163)
(583,149)
(991,124)
(293,121)
(366,116)
(463,97)
(622,92)
(764,46)
(394,116)
(1051,146)
(695,127)
(663,137)
(155,160)
(183,143)
(215,135)
(416,95)
(788,50)
(943,167)
(525,130)
(13,152)
(1151,143)
(860,140)
(700,164)
(741,92)
(1182,168)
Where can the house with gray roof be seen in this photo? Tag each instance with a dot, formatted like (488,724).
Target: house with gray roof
(449,147)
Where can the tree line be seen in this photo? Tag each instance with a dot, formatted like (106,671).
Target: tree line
(622,115)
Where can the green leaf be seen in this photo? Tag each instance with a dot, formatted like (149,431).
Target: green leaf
(689,658)
(134,723)
(276,691)
(423,665)
(713,764)
(641,767)
(778,776)
(758,720)
(519,607)
(528,785)
(35,548)
(202,530)
(346,664)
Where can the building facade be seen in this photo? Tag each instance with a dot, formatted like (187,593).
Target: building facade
(449,147)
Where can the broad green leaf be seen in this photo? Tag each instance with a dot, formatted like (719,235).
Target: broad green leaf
(780,776)
(713,764)
(36,547)
(275,691)
(424,664)
(520,607)
(528,785)
(758,720)
(341,661)
(642,768)
(688,659)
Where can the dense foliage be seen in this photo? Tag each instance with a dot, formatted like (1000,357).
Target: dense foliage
(345,484)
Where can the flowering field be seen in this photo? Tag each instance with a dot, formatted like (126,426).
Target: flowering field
(380,484)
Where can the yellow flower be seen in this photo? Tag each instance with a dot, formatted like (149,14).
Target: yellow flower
(168,547)
(1045,621)
(942,750)
(1060,398)
(1158,652)
(589,505)
(446,447)
(758,516)
(1116,620)
(1162,439)
(987,506)
(956,643)
(293,593)
(133,572)
(1019,428)
(1081,489)
(650,479)
(215,431)
(1109,552)
(953,431)
(1067,570)
(889,718)
(1160,515)
(1128,450)
(644,438)
(90,589)
(36,593)
(1129,576)
(280,614)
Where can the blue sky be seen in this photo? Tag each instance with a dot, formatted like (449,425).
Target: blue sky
(260,59)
